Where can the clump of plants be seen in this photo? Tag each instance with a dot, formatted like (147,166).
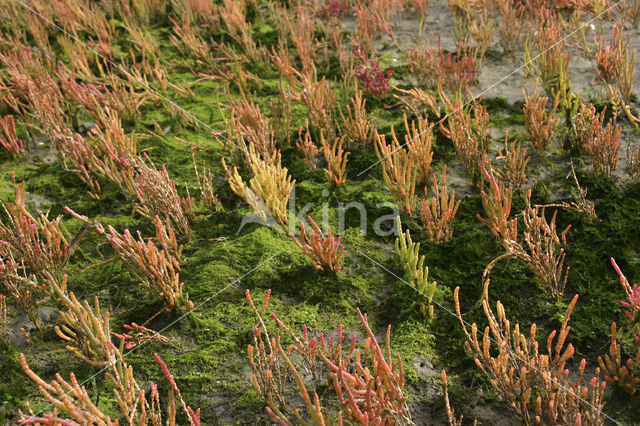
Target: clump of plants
(370,75)
(270,111)
(368,382)
(519,370)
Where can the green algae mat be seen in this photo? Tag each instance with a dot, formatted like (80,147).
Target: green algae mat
(305,212)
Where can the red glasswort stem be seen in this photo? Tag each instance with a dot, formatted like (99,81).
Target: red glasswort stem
(370,74)
(623,279)
(325,252)
(165,369)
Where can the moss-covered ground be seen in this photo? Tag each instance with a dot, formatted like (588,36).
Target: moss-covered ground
(209,353)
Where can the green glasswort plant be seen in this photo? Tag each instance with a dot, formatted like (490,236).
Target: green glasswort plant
(415,270)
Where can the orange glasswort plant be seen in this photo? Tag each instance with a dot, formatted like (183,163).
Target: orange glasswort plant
(39,243)
(437,214)
(308,148)
(419,140)
(456,70)
(548,46)
(233,15)
(540,246)
(89,330)
(373,391)
(325,252)
(415,100)
(33,255)
(110,156)
(372,21)
(136,335)
(157,268)
(481,26)
(451,414)
(369,383)
(186,39)
(583,205)
(205,183)
(616,371)
(604,148)
(404,168)
(582,124)
(631,12)
(8,138)
(540,123)
(117,94)
(336,158)
(300,27)
(528,379)
(157,196)
(616,62)
(516,160)
(356,126)
(250,124)
(469,131)
(399,172)
(307,89)
(511,27)
(86,331)
(609,56)
(497,207)
(18,286)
